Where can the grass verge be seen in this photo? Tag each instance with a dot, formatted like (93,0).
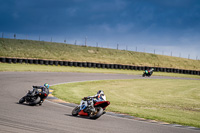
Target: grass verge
(44,68)
(173,101)
(60,51)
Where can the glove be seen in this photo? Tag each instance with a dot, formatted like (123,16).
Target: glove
(84,98)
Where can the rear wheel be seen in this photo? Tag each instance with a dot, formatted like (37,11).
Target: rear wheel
(75,111)
(22,100)
(98,112)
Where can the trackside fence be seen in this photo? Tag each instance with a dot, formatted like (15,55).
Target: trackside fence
(95,65)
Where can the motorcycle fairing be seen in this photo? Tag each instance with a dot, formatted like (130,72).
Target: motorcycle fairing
(102,104)
(82,113)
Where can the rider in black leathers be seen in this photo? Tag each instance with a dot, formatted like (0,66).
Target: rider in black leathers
(44,90)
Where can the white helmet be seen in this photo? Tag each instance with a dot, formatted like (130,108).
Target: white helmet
(100,92)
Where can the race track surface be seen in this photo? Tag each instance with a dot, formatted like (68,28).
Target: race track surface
(56,118)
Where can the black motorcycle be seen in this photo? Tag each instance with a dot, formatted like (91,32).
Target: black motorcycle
(33,97)
(148,72)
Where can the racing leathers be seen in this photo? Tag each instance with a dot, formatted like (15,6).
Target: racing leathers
(44,91)
(99,97)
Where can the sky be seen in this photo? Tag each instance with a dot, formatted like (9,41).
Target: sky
(168,27)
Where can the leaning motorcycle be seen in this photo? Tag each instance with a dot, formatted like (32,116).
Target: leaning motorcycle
(90,107)
(33,97)
(148,73)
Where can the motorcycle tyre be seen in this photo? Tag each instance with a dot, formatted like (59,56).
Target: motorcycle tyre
(35,102)
(22,100)
(99,113)
(75,111)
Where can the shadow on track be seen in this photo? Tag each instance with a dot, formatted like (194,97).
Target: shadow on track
(79,117)
(26,104)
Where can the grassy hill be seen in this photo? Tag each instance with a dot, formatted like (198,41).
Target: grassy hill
(60,51)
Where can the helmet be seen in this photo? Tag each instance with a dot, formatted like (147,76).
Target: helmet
(46,85)
(100,92)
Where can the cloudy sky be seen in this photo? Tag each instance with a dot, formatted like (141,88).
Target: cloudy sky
(166,26)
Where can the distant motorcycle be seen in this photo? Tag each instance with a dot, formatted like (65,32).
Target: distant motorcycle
(88,107)
(148,72)
(33,97)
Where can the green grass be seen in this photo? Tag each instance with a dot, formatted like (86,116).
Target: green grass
(173,101)
(45,68)
(60,51)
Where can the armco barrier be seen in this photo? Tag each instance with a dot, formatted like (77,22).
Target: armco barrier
(94,65)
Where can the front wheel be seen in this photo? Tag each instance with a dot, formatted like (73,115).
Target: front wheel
(36,101)
(75,111)
(22,100)
(98,112)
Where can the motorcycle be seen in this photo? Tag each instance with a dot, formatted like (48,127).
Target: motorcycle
(33,97)
(148,73)
(90,107)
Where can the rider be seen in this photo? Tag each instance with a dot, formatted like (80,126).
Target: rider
(100,96)
(44,91)
(151,70)
(146,71)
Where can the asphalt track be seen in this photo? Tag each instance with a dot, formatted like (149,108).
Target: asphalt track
(56,118)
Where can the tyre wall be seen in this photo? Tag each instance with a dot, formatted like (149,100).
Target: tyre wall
(95,65)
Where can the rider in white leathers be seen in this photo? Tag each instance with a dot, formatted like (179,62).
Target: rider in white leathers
(100,96)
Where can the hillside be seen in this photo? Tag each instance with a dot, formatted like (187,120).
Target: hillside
(60,51)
